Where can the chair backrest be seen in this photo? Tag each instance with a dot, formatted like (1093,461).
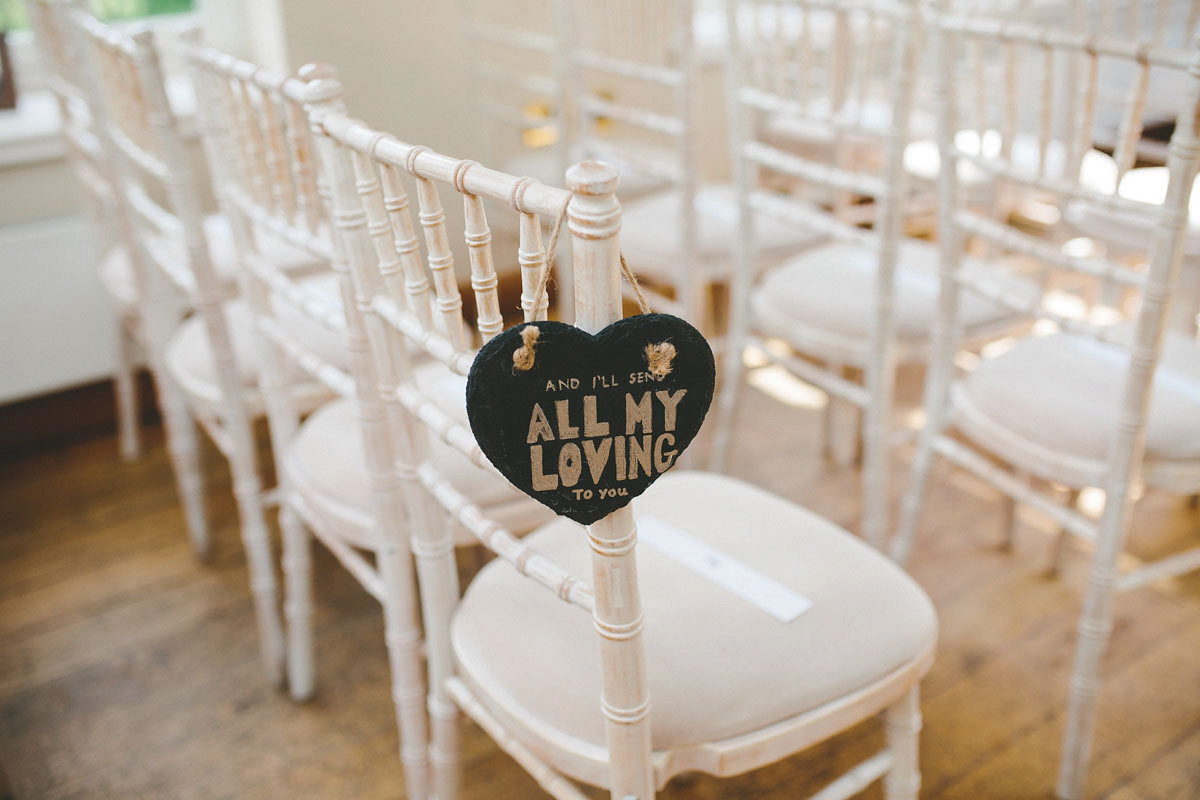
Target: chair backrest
(1165,22)
(517,52)
(1165,225)
(404,301)
(260,151)
(632,94)
(859,88)
(163,201)
(1153,24)
(74,93)
(259,148)
(263,157)
(158,180)
(1031,52)
(774,71)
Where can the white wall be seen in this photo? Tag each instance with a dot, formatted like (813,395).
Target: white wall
(402,63)
(56,327)
(404,67)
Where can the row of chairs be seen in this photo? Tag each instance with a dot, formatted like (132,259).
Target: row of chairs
(303,186)
(388,466)
(1102,394)
(1049,116)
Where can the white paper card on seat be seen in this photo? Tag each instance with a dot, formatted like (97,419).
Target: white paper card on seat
(727,572)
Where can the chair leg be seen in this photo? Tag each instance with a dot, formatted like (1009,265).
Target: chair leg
(436,569)
(875,474)
(1062,538)
(1009,524)
(914,498)
(856,458)
(256,542)
(829,422)
(184,450)
(402,633)
(1092,633)
(903,781)
(829,429)
(297,606)
(727,402)
(444,752)
(126,395)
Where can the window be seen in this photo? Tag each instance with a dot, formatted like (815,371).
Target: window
(13,16)
(29,133)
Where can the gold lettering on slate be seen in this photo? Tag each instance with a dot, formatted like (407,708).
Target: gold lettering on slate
(638,412)
(632,455)
(539,427)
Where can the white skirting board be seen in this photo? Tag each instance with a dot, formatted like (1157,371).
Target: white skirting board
(57,328)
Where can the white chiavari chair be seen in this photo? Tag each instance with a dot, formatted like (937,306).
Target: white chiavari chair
(335,464)
(865,299)
(516,654)
(211,359)
(1087,405)
(74,97)
(261,153)
(94,157)
(1031,116)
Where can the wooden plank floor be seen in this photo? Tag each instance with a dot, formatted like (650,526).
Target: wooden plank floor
(128,669)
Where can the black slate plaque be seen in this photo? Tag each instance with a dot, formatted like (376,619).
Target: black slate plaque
(594,420)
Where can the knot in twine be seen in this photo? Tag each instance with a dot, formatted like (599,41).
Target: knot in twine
(523,355)
(659,357)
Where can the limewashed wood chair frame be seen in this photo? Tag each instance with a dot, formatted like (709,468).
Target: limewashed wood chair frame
(1123,468)
(258,138)
(172,260)
(401,304)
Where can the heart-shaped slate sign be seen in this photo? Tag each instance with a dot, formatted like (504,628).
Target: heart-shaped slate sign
(592,422)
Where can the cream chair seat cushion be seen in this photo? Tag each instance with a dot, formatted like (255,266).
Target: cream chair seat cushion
(116,271)
(327,465)
(824,299)
(188,355)
(652,239)
(717,666)
(1064,392)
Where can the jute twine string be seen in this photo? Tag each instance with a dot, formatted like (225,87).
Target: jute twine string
(658,356)
(523,355)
